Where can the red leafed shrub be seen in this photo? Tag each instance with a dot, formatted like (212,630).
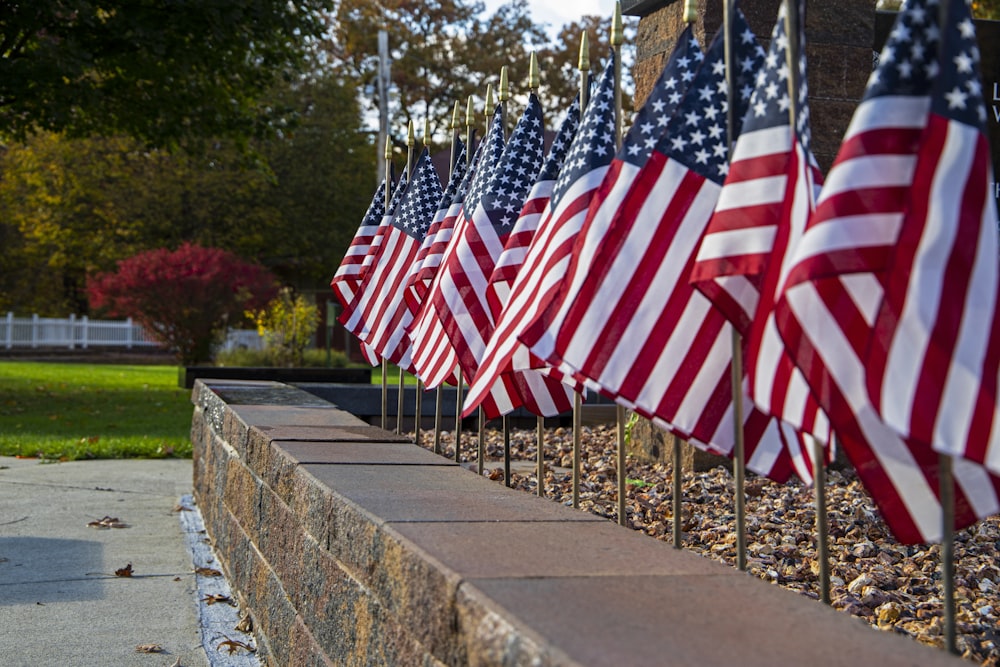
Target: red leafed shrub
(185,297)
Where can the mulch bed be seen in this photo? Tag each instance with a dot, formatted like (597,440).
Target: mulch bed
(893,587)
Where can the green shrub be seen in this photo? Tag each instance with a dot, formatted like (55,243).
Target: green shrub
(287,326)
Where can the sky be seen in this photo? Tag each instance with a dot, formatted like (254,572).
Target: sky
(557,13)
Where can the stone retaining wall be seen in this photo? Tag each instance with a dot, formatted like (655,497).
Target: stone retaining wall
(351,546)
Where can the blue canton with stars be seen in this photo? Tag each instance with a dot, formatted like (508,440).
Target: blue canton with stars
(560,145)
(770,102)
(470,174)
(397,195)
(667,93)
(416,210)
(594,144)
(492,150)
(457,177)
(376,210)
(908,62)
(696,134)
(514,174)
(958,90)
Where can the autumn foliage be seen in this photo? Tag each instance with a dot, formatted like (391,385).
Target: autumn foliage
(185,297)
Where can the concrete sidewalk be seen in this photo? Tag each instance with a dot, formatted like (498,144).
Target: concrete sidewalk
(61,602)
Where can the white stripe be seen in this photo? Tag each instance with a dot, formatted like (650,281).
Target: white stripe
(848,232)
(759,143)
(867,172)
(888,112)
(752,192)
(747,241)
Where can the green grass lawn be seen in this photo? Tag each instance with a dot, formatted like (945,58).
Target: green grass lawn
(76,411)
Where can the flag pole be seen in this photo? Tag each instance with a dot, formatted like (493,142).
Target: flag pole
(439,394)
(583,64)
(418,403)
(617,37)
(411,141)
(388,195)
(470,122)
(739,462)
(503,96)
(677,474)
(947,483)
(534,81)
(792,55)
(481,438)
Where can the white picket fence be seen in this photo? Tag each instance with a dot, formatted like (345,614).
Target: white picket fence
(82,333)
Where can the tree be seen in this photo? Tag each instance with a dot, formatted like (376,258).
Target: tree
(166,73)
(185,297)
(559,72)
(69,207)
(442,51)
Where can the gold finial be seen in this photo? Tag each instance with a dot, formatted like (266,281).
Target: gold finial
(504,92)
(584,63)
(690,11)
(427,131)
(534,79)
(455,117)
(470,113)
(489,99)
(388,148)
(617,34)
(411,140)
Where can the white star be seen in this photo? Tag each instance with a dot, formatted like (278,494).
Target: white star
(956,98)
(967,29)
(963,62)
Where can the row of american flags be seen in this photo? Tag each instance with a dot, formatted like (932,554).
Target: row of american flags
(864,304)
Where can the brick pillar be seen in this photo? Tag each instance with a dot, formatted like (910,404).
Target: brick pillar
(839,35)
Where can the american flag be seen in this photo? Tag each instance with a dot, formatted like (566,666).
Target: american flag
(345,281)
(763,207)
(933,374)
(397,194)
(489,216)
(535,390)
(439,234)
(637,146)
(517,243)
(434,359)
(829,303)
(548,255)
(435,355)
(633,325)
(378,313)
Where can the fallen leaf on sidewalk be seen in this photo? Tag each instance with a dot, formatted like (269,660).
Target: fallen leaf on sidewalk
(124,571)
(245,625)
(207,572)
(108,522)
(149,648)
(218,597)
(234,645)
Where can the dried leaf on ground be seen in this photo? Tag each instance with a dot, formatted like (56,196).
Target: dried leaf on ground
(235,645)
(124,571)
(149,648)
(108,522)
(245,624)
(218,597)
(207,572)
